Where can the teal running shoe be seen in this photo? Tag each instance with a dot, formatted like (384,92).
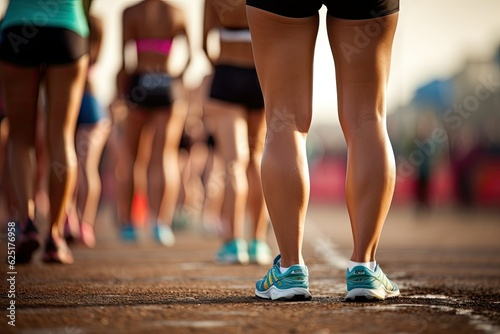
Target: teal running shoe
(164,235)
(259,252)
(127,233)
(233,252)
(291,285)
(365,283)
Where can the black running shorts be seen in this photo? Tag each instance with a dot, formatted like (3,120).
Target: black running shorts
(33,46)
(238,85)
(342,9)
(151,91)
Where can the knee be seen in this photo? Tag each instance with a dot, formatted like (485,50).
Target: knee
(255,159)
(287,120)
(256,149)
(352,123)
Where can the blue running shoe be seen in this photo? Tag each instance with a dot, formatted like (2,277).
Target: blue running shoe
(365,283)
(291,285)
(233,252)
(127,233)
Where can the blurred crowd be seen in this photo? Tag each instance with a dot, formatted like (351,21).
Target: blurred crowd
(447,139)
(446,142)
(160,156)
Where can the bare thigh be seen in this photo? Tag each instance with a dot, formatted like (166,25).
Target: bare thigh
(291,43)
(64,85)
(20,87)
(361,67)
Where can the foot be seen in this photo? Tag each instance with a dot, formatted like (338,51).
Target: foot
(87,235)
(72,228)
(292,285)
(127,233)
(57,251)
(181,220)
(27,243)
(259,252)
(233,252)
(363,283)
(164,235)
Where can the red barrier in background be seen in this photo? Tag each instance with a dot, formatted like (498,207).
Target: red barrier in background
(328,180)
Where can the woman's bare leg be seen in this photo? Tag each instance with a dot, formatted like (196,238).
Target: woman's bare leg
(132,128)
(5,191)
(156,170)
(232,142)
(361,83)
(285,174)
(42,166)
(90,142)
(20,94)
(4,132)
(213,183)
(164,177)
(256,204)
(64,85)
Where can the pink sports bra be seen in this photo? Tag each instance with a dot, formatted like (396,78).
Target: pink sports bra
(155,45)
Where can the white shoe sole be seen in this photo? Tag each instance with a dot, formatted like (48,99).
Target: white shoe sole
(370,294)
(274,293)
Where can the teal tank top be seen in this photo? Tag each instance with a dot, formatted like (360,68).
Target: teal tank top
(66,14)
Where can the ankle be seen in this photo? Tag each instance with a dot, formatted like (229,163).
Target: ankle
(370,265)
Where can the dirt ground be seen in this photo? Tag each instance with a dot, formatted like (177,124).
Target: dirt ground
(446,263)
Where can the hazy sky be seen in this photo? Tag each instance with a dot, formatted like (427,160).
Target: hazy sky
(433,39)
